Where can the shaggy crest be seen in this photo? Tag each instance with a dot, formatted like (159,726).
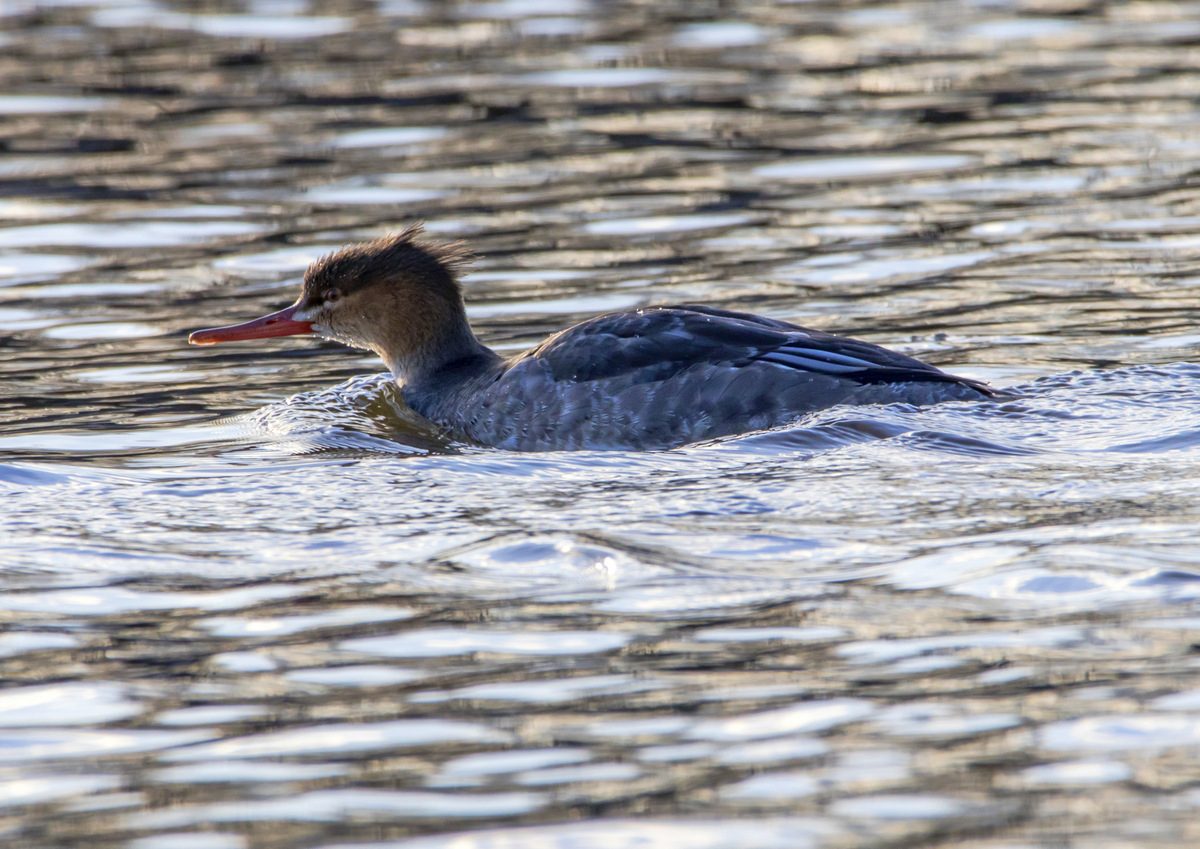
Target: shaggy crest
(399,255)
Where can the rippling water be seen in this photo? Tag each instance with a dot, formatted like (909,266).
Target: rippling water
(249,600)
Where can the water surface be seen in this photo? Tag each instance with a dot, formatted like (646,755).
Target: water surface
(250,601)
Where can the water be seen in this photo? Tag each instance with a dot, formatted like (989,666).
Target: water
(248,600)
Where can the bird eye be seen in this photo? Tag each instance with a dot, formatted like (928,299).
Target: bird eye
(332,296)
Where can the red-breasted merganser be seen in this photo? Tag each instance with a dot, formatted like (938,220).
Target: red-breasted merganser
(649,378)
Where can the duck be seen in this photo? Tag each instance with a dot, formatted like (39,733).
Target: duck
(654,378)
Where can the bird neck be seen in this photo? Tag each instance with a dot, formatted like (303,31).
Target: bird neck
(431,333)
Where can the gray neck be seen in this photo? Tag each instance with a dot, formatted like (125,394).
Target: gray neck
(427,363)
(444,392)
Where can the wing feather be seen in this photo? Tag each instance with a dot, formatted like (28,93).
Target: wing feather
(655,343)
(796,360)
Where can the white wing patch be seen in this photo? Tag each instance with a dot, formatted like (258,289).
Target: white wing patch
(815,359)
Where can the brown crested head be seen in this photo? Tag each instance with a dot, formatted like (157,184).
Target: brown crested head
(398,296)
(401,260)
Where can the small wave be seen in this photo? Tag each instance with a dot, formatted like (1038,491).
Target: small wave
(16,475)
(363,415)
(1137,410)
(898,424)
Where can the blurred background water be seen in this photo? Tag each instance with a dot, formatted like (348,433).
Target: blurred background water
(247,602)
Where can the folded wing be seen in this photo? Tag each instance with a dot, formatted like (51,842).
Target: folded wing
(654,344)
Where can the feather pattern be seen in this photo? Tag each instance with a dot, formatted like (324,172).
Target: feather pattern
(666,376)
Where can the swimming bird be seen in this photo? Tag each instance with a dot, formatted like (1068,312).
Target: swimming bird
(651,378)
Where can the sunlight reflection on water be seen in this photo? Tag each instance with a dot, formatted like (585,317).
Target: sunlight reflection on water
(249,595)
